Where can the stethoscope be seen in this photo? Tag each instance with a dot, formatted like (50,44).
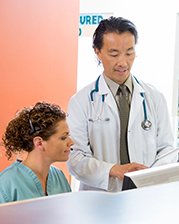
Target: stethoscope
(99,117)
(146,124)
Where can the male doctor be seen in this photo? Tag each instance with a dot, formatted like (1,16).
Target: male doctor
(107,121)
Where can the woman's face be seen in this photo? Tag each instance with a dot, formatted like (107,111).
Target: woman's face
(57,148)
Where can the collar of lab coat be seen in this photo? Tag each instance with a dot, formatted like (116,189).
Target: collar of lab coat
(109,99)
(137,101)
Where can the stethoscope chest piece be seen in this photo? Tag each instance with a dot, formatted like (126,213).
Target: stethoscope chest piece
(146,125)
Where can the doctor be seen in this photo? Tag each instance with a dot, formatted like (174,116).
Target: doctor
(94,115)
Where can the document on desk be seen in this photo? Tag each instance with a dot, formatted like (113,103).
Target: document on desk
(161,159)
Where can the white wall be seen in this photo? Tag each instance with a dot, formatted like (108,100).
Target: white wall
(156,49)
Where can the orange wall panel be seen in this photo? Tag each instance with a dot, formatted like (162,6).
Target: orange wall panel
(38,56)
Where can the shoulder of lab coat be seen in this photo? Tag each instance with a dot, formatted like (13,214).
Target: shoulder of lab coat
(81,163)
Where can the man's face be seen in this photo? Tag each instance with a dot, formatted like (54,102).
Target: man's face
(117,55)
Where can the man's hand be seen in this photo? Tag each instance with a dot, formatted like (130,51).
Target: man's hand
(119,170)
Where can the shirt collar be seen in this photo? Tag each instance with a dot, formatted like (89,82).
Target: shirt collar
(113,86)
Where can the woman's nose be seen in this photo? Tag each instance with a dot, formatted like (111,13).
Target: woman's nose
(71,142)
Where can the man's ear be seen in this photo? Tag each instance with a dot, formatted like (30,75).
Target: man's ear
(98,53)
(38,142)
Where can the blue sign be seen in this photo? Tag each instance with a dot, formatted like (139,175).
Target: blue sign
(89,22)
(90,19)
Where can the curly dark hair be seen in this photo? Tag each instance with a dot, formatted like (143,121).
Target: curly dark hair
(29,122)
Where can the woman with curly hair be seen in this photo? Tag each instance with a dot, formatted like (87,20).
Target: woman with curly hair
(43,133)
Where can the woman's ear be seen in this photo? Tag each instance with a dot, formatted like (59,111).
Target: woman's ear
(38,143)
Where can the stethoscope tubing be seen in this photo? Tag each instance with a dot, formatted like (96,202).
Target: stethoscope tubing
(144,105)
(146,124)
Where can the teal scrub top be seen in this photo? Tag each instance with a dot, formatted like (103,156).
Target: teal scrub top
(19,182)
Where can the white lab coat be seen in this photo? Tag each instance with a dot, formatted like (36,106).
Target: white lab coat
(97,144)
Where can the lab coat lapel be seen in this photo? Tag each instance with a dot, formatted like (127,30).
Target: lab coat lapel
(137,102)
(109,99)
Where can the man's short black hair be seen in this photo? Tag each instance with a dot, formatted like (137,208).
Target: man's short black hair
(113,25)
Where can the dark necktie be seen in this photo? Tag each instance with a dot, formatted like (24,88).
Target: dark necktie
(124,116)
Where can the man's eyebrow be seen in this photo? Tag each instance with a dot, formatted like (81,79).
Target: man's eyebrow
(113,50)
(131,48)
